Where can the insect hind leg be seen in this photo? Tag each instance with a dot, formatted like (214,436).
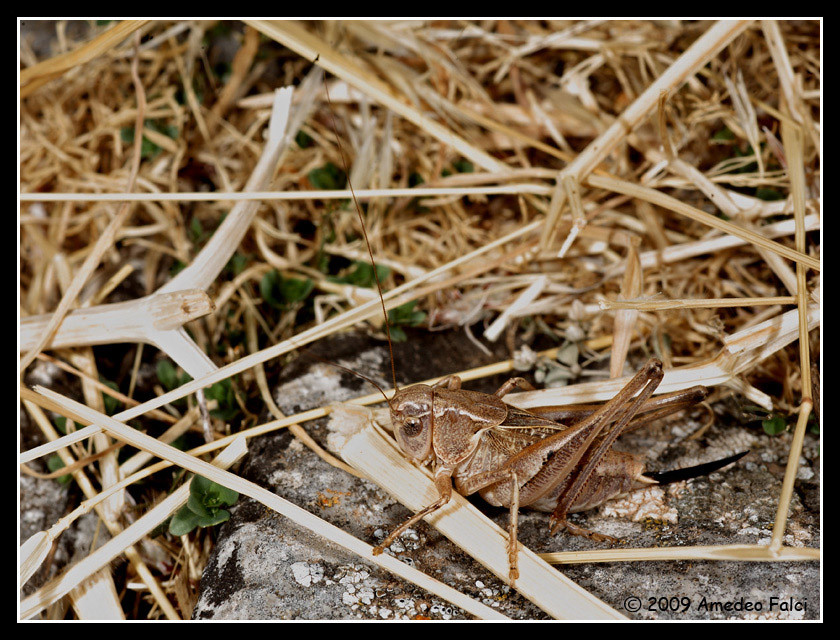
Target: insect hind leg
(614,416)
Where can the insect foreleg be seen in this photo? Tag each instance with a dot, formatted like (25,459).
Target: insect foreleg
(443,483)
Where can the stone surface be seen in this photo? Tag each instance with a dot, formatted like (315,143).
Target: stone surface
(266,567)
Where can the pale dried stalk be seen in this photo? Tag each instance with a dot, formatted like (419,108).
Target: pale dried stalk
(571,190)
(121,397)
(84,414)
(467,527)
(626,318)
(97,599)
(140,459)
(739,552)
(208,264)
(686,303)
(743,349)
(262,383)
(371,309)
(727,203)
(525,298)
(158,319)
(108,466)
(679,252)
(307,194)
(792,138)
(34,550)
(132,321)
(787,81)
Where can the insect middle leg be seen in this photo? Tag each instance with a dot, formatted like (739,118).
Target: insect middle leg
(443,483)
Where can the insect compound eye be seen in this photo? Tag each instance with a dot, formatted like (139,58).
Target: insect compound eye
(411,427)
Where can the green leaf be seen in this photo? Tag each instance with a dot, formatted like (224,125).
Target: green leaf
(212,493)
(200,485)
(723,135)
(167,375)
(183,522)
(222,392)
(296,290)
(225,495)
(405,314)
(195,231)
(218,517)
(195,504)
(63,427)
(149,149)
(362,275)
(769,194)
(237,263)
(463,166)
(303,139)
(328,177)
(813,424)
(112,405)
(281,293)
(203,508)
(54,463)
(774,425)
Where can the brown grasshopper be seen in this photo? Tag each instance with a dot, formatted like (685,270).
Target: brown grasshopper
(516,458)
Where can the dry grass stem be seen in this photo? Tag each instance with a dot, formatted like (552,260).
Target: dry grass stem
(744,553)
(651,305)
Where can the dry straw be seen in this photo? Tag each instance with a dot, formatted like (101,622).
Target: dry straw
(598,199)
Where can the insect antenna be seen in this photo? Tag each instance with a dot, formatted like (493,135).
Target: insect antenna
(314,356)
(367,243)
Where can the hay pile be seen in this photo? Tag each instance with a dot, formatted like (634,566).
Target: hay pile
(625,189)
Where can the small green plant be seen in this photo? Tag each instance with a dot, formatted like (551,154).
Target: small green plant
(775,423)
(112,405)
(327,178)
(149,149)
(204,508)
(224,395)
(62,426)
(281,293)
(303,139)
(54,463)
(404,316)
(237,264)
(361,275)
(170,377)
